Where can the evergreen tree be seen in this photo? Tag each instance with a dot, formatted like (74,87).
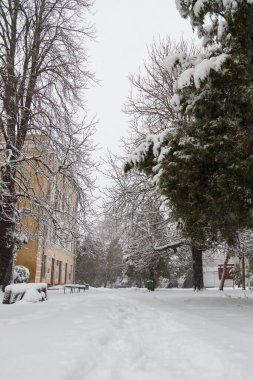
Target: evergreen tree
(205,166)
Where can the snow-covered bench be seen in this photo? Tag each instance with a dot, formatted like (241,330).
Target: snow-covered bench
(32,292)
(74,287)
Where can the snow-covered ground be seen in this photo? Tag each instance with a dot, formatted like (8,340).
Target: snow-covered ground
(129,334)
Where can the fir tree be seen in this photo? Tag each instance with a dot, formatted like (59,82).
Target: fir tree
(205,167)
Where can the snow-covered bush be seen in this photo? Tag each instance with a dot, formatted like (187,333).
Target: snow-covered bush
(20,274)
(19,240)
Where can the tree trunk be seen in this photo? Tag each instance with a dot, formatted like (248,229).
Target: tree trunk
(7,228)
(222,281)
(197,265)
(243,272)
(6,252)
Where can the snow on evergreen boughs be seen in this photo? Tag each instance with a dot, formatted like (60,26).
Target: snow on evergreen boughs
(203,69)
(205,165)
(154,141)
(208,16)
(197,70)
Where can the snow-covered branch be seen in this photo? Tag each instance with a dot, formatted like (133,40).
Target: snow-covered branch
(172,245)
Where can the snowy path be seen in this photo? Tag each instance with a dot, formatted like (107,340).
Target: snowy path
(129,334)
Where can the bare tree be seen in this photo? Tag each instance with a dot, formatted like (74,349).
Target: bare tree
(151,112)
(149,104)
(109,232)
(90,260)
(100,254)
(43,69)
(148,238)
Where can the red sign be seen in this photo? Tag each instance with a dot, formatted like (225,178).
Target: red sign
(228,272)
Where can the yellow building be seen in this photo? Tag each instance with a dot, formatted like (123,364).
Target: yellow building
(48,212)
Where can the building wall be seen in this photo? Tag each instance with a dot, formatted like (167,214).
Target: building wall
(56,191)
(211,262)
(30,256)
(211,278)
(64,266)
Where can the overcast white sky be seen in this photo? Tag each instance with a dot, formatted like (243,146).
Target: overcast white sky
(124,29)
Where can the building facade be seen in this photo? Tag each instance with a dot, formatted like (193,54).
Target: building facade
(48,217)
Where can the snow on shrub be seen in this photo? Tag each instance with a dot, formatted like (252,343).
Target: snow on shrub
(20,274)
